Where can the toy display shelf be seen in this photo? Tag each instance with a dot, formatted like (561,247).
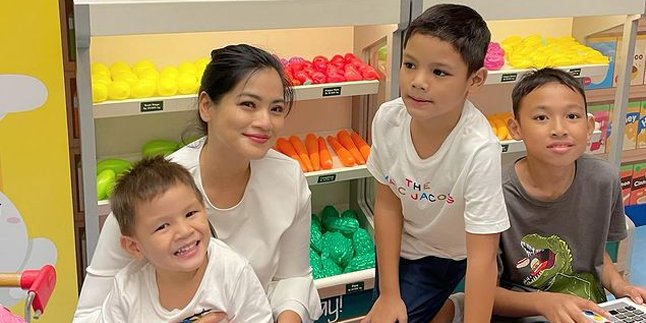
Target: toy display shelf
(338,173)
(508,10)
(510,75)
(606,95)
(132,107)
(514,146)
(118,17)
(347,297)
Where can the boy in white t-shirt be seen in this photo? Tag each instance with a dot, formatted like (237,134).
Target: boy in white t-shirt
(439,198)
(180,273)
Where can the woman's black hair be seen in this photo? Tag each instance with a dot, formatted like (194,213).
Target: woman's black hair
(229,66)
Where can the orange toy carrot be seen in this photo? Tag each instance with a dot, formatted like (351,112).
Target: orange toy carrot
(324,154)
(286,148)
(312,146)
(302,152)
(344,155)
(346,142)
(361,144)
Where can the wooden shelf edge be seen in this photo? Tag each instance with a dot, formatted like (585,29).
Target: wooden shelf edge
(633,155)
(608,95)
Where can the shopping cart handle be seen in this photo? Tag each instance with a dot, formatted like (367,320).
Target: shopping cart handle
(41,283)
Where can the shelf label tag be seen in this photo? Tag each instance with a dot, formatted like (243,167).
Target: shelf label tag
(354,287)
(505,148)
(508,77)
(575,72)
(326,178)
(332,91)
(151,106)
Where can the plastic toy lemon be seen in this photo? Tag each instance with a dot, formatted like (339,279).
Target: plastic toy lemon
(167,87)
(149,74)
(169,72)
(533,40)
(559,60)
(118,90)
(100,69)
(512,40)
(96,79)
(143,89)
(539,60)
(597,59)
(127,77)
(186,67)
(142,66)
(186,84)
(99,92)
(119,67)
(200,66)
(520,62)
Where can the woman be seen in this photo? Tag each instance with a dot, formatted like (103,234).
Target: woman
(256,198)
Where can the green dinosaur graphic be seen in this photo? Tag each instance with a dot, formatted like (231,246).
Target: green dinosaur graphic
(550,262)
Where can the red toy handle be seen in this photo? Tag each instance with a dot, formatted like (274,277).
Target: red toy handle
(41,283)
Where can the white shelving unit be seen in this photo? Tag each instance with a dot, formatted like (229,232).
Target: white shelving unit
(116,18)
(509,75)
(133,107)
(99,18)
(626,12)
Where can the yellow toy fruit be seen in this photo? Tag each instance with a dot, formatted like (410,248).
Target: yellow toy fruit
(143,89)
(501,129)
(186,84)
(119,67)
(202,61)
(127,77)
(186,67)
(151,75)
(167,87)
(118,90)
(100,69)
(99,92)
(105,80)
(200,66)
(169,72)
(143,65)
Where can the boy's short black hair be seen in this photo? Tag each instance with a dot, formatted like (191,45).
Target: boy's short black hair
(458,25)
(148,179)
(540,77)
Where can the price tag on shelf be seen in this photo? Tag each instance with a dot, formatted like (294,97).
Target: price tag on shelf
(326,178)
(151,106)
(354,287)
(576,72)
(331,91)
(509,77)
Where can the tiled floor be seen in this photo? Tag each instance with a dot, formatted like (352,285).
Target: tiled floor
(638,265)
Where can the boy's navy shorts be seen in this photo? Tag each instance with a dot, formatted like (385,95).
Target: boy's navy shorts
(425,284)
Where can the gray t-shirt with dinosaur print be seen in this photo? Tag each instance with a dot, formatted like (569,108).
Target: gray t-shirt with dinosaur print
(558,245)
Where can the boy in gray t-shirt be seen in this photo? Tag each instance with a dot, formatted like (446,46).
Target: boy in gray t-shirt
(563,206)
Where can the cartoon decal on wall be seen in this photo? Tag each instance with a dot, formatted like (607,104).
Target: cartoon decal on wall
(19,93)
